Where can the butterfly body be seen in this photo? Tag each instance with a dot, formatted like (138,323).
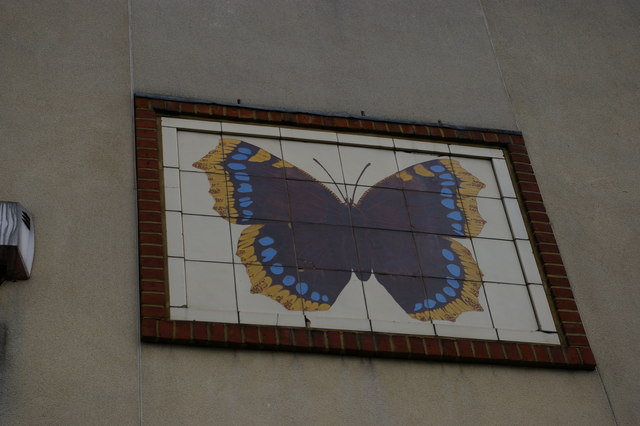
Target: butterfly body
(303,243)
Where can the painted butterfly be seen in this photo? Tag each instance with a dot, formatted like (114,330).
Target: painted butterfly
(304,243)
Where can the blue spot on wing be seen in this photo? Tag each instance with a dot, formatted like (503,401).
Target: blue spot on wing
(288,280)
(268,254)
(266,241)
(239,157)
(276,269)
(448,203)
(437,169)
(245,150)
(236,166)
(447,254)
(454,269)
(451,292)
(245,187)
(302,288)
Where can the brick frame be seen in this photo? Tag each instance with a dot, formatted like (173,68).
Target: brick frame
(574,352)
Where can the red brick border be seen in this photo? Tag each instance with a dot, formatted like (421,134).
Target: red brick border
(156,326)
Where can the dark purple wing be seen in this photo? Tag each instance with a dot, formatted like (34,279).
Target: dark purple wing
(246,182)
(299,249)
(432,191)
(430,276)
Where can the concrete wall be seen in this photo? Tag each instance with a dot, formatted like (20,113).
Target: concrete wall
(563,74)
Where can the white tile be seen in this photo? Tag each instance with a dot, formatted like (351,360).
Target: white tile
(174,234)
(306,155)
(210,286)
(498,261)
(531,271)
(177,284)
(409,159)
(169,147)
(347,138)
(206,238)
(256,303)
(382,164)
(295,319)
(172,199)
(206,315)
(308,135)
(504,178)
(248,129)
(474,151)
(514,215)
(510,307)
(192,146)
(402,327)
(472,318)
(421,146)
(529,336)
(483,171)
(336,323)
(181,123)
(466,332)
(492,211)
(195,194)
(528,261)
(541,306)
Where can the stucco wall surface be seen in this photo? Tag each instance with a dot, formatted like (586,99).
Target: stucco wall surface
(409,60)
(69,353)
(571,69)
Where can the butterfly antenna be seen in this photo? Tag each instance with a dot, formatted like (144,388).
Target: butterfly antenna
(334,182)
(358,180)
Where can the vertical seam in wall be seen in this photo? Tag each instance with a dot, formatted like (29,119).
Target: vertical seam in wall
(515,118)
(606,394)
(135,199)
(495,58)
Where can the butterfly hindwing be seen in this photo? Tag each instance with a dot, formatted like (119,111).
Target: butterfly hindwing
(267,252)
(246,182)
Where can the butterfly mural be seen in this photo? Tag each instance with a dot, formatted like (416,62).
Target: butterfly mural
(303,242)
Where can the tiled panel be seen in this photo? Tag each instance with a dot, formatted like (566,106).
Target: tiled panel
(498,261)
(504,178)
(515,218)
(529,336)
(483,171)
(206,238)
(169,147)
(256,307)
(194,190)
(473,151)
(541,306)
(308,135)
(210,286)
(374,141)
(192,146)
(492,211)
(172,200)
(531,272)
(229,129)
(174,234)
(307,155)
(177,284)
(510,307)
(217,289)
(354,164)
(349,312)
(421,146)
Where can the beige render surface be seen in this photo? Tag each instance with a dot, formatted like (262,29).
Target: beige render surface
(71,351)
